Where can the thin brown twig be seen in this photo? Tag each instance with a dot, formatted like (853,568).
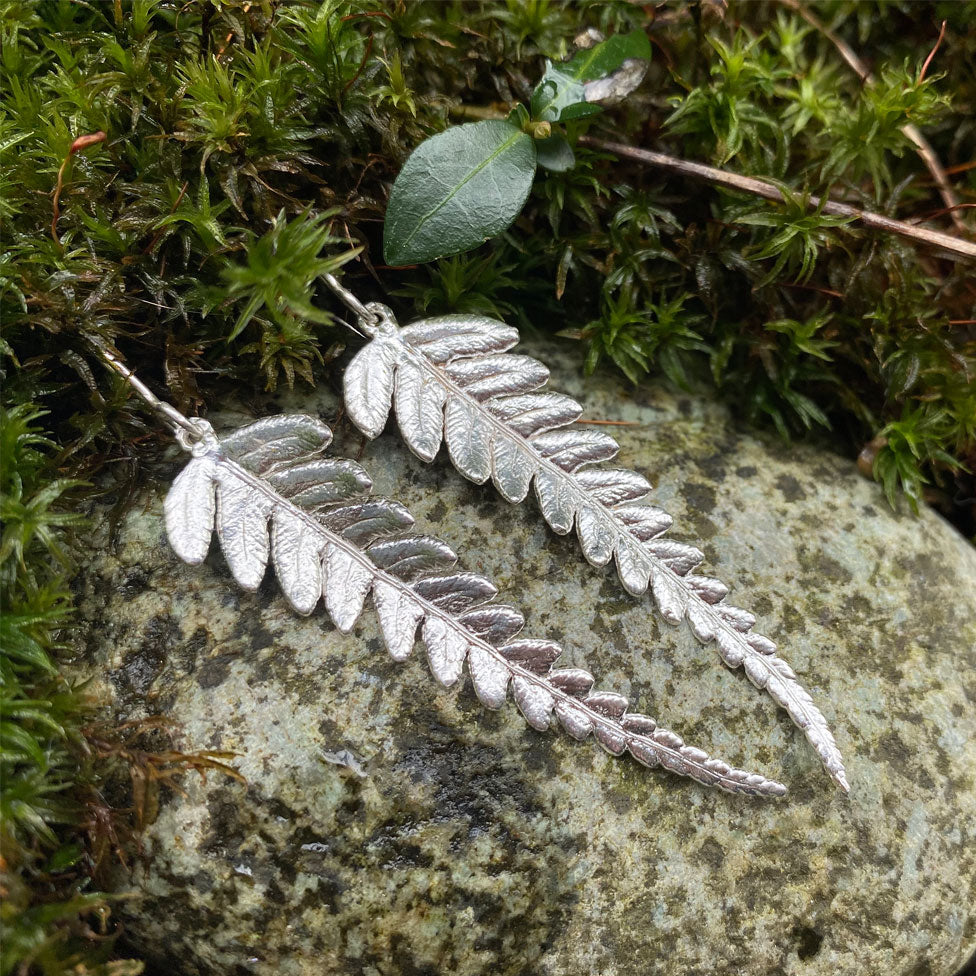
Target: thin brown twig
(942,213)
(955,246)
(922,146)
(362,64)
(962,167)
(928,60)
(948,194)
(820,291)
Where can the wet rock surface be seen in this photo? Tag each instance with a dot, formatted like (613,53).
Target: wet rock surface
(390,826)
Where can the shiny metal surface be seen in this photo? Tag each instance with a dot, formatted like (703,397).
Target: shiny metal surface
(273,497)
(452,379)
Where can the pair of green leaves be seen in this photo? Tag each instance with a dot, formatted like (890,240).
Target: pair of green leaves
(470,182)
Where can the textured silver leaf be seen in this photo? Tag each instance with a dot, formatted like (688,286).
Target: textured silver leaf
(368,521)
(671,596)
(297,551)
(499,423)
(323,481)
(413,557)
(632,567)
(535,701)
(607,703)
(348,578)
(447,647)
(611,738)
(420,400)
(556,500)
(742,620)
(574,681)
(456,592)
(572,449)
(189,510)
(574,720)
(320,548)
(496,624)
(490,376)
(274,440)
(452,336)
(644,521)
(595,536)
(242,527)
(532,654)
(509,475)
(489,675)
(612,486)
(368,385)
(535,413)
(399,616)
(468,439)
(678,557)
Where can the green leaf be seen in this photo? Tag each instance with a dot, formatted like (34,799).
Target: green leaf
(519,116)
(566,91)
(555,153)
(18,745)
(458,189)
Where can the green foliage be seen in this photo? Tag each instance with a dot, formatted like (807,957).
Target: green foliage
(43,752)
(475,285)
(638,338)
(250,147)
(800,231)
(728,113)
(462,186)
(562,94)
(916,436)
(273,285)
(397,92)
(865,134)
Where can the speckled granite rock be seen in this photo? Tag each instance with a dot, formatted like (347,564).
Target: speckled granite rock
(389,826)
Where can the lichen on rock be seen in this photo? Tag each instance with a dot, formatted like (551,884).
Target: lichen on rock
(466,843)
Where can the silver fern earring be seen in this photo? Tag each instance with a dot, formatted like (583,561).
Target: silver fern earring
(451,378)
(273,496)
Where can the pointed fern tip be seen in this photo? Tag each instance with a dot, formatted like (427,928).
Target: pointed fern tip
(451,379)
(273,499)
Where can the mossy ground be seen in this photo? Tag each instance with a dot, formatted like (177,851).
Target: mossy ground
(249,146)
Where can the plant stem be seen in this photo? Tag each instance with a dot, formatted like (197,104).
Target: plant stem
(954,246)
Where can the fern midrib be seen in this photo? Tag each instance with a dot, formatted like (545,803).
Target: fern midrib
(815,721)
(431,609)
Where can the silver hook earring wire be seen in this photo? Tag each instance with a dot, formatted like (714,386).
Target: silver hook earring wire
(367,318)
(176,420)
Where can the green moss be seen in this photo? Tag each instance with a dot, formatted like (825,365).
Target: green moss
(249,147)
(47,849)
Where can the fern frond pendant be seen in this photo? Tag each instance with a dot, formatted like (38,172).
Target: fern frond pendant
(452,378)
(274,497)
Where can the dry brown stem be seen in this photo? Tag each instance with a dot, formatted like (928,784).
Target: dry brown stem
(953,246)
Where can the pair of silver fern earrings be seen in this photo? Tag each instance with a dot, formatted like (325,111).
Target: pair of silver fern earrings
(273,494)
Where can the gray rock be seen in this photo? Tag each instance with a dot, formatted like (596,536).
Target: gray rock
(389,826)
